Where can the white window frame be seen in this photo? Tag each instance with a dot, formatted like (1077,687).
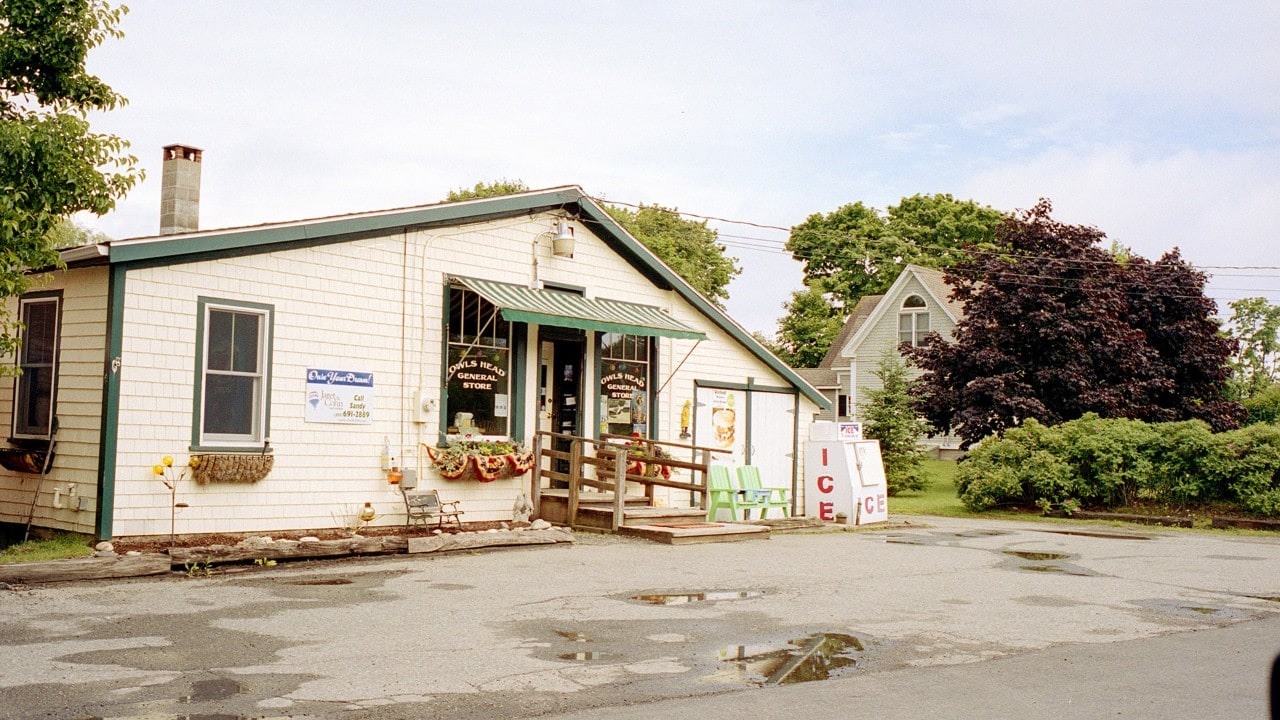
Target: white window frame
(256,438)
(22,384)
(912,314)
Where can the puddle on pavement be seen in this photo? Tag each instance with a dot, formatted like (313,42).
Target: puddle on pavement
(687,598)
(582,656)
(207,690)
(1173,607)
(320,581)
(816,657)
(1037,556)
(1109,536)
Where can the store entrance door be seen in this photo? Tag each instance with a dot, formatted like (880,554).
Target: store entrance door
(560,401)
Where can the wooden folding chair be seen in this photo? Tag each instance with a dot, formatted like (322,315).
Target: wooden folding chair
(422,506)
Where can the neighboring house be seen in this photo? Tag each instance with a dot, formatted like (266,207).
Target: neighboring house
(916,304)
(308,350)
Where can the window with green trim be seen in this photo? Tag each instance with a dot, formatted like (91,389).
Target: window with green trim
(40,314)
(624,383)
(478,371)
(233,368)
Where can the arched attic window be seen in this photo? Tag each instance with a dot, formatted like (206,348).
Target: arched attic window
(913,320)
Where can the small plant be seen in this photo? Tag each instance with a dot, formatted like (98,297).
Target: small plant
(196,567)
(264,562)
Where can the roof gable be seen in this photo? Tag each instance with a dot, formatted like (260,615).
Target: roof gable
(933,284)
(861,311)
(230,242)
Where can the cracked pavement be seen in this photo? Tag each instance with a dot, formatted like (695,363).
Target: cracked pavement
(562,631)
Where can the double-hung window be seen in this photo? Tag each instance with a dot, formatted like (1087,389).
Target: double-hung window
(913,320)
(38,361)
(233,374)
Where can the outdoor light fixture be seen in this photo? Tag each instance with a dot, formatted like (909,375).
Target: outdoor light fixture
(562,245)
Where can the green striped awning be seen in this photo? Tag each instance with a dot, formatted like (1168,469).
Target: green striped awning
(565,309)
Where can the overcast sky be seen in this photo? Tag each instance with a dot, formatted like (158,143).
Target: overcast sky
(1156,122)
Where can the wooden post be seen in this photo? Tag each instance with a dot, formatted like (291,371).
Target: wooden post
(706,463)
(535,476)
(619,486)
(575,474)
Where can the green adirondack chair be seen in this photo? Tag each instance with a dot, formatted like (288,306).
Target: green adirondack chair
(766,497)
(722,493)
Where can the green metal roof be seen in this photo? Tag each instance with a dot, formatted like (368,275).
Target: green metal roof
(565,309)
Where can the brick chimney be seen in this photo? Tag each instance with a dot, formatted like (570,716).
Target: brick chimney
(180,190)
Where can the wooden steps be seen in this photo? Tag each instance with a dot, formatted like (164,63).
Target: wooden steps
(687,533)
(673,526)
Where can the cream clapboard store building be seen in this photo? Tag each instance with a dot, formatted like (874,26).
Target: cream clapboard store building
(321,342)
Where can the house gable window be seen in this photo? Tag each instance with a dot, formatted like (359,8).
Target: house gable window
(624,383)
(233,375)
(40,314)
(478,371)
(913,320)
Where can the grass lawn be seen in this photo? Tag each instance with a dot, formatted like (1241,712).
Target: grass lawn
(58,547)
(938,497)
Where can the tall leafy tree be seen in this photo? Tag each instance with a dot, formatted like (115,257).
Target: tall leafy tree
(1255,325)
(1055,327)
(856,250)
(490,189)
(51,164)
(689,247)
(806,332)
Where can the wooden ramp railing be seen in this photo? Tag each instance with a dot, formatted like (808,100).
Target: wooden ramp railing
(604,464)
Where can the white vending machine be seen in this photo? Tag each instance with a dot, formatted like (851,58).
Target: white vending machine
(844,479)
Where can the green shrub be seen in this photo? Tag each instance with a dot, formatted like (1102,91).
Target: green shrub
(1182,457)
(1247,464)
(1110,458)
(1018,469)
(1264,405)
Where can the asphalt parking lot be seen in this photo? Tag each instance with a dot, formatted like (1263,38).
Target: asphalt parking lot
(937,618)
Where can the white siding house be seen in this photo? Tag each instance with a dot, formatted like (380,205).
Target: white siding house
(213,344)
(916,304)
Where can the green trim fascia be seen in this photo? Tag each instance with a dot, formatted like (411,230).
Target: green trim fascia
(654,416)
(247,241)
(269,311)
(109,434)
(744,386)
(603,224)
(442,433)
(519,365)
(312,232)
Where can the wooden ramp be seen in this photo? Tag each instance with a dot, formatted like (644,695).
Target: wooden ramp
(673,526)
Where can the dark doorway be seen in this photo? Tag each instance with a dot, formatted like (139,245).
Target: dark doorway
(560,401)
